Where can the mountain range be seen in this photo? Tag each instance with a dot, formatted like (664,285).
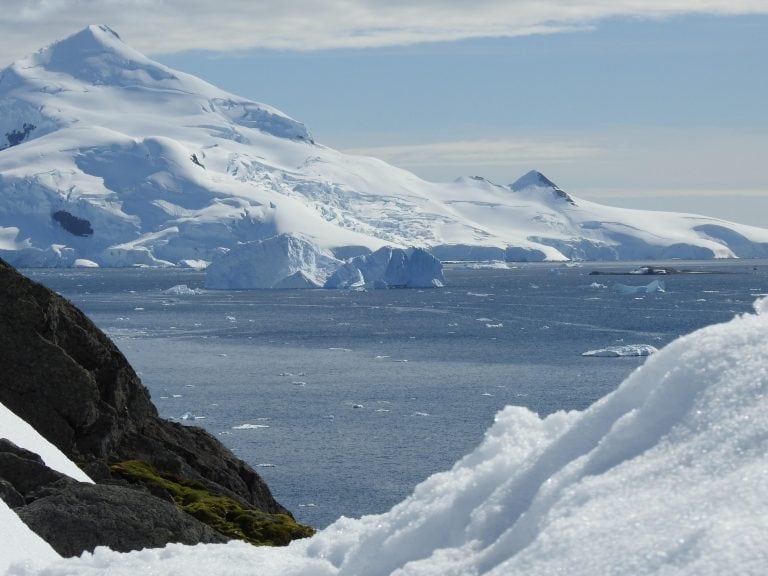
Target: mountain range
(109,158)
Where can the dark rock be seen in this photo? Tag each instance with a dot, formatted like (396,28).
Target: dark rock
(9,495)
(82,516)
(64,376)
(71,383)
(24,474)
(72,224)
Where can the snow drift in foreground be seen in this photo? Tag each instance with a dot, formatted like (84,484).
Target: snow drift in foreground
(666,475)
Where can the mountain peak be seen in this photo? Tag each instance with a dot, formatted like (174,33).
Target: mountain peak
(535,179)
(97,55)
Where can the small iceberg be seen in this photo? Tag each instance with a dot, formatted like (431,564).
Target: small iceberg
(182,290)
(390,268)
(655,286)
(623,351)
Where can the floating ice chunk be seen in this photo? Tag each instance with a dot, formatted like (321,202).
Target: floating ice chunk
(655,286)
(284,261)
(250,426)
(390,268)
(761,306)
(182,290)
(626,350)
(84,263)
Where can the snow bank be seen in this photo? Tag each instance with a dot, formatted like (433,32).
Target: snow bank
(390,268)
(284,261)
(23,435)
(666,475)
(620,351)
(20,546)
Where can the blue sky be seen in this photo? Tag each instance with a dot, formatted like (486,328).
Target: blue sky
(646,104)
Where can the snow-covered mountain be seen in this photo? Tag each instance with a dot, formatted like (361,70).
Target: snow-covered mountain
(109,157)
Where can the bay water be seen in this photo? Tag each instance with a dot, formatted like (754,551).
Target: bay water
(344,400)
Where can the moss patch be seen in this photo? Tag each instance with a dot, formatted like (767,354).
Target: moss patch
(221,513)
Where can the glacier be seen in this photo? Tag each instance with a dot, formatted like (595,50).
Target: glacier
(109,157)
(665,475)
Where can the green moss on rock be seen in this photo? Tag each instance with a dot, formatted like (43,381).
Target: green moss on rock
(221,513)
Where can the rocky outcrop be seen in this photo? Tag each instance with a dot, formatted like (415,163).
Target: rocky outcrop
(73,516)
(64,376)
(77,517)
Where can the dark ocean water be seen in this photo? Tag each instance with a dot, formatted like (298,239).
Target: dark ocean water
(345,400)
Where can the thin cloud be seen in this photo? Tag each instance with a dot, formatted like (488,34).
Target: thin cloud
(480,153)
(169,26)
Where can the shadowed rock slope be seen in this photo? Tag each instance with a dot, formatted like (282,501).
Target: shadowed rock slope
(64,376)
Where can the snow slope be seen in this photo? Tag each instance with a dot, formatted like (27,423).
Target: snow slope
(666,475)
(20,546)
(110,157)
(24,436)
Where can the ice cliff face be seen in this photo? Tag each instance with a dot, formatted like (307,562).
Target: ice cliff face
(390,268)
(292,261)
(108,156)
(283,261)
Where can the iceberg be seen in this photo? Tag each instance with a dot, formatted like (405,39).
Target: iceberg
(182,290)
(655,286)
(623,351)
(283,261)
(390,268)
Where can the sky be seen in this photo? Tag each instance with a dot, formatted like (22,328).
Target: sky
(647,104)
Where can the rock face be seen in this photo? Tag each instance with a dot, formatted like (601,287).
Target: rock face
(62,375)
(73,516)
(79,517)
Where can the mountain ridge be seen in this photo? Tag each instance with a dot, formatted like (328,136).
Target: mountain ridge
(164,169)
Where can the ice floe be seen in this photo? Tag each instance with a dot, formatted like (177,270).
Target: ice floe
(621,351)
